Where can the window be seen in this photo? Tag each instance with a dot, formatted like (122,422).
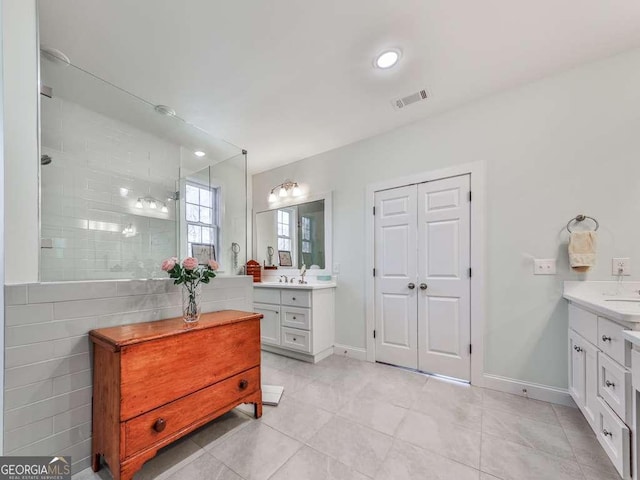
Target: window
(285,230)
(201,211)
(306,234)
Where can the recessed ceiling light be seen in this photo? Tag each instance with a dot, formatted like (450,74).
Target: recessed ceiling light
(199,153)
(387,59)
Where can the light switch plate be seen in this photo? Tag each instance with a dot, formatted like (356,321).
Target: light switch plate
(621,266)
(544,266)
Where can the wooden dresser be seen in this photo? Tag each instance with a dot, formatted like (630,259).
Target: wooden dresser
(155,382)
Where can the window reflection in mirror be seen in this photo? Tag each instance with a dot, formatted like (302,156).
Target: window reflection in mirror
(298,229)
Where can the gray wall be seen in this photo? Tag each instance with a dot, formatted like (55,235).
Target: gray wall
(48,375)
(563,145)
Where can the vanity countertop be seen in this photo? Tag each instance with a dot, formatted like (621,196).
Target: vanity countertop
(633,337)
(296,286)
(617,301)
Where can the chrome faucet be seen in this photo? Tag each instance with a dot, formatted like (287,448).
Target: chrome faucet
(303,272)
(291,280)
(285,278)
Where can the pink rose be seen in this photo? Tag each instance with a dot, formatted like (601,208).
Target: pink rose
(213,265)
(168,264)
(190,263)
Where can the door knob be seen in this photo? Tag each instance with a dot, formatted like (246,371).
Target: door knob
(423,286)
(605,338)
(411,286)
(610,384)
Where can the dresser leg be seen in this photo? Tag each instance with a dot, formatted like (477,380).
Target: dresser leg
(95,462)
(257,407)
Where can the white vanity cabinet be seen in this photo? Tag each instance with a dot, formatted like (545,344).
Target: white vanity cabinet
(298,321)
(600,381)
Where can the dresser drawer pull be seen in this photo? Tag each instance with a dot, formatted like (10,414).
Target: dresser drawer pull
(159,425)
(607,433)
(610,384)
(605,338)
(243,384)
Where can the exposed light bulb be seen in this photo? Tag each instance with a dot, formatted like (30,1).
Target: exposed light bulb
(272,197)
(283,192)
(153,204)
(296,191)
(139,203)
(164,209)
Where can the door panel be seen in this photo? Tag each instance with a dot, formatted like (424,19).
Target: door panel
(395,304)
(443,257)
(444,326)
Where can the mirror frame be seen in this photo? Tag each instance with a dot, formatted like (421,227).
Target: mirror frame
(328,230)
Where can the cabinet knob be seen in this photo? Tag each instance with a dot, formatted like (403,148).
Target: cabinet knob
(411,286)
(605,338)
(423,286)
(610,384)
(294,339)
(293,298)
(159,425)
(243,384)
(294,318)
(607,433)
(577,349)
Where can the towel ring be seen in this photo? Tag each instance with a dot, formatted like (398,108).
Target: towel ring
(582,218)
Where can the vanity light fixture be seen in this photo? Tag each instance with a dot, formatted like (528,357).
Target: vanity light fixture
(387,59)
(152,203)
(286,188)
(199,153)
(129,231)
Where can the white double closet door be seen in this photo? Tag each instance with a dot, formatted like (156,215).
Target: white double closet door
(422,284)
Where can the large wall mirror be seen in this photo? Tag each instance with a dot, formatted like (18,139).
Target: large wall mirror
(292,235)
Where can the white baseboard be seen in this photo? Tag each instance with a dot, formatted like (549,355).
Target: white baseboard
(352,352)
(533,390)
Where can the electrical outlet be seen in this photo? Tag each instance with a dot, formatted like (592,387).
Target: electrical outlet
(544,266)
(621,266)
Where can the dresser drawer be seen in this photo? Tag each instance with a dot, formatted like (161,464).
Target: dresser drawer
(141,432)
(614,386)
(583,322)
(158,371)
(612,342)
(614,437)
(296,339)
(296,318)
(266,295)
(296,298)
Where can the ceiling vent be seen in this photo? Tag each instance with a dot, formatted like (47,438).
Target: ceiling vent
(402,102)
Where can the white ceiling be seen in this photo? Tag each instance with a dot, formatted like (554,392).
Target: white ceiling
(287,79)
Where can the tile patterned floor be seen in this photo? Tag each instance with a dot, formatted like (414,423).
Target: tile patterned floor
(343,419)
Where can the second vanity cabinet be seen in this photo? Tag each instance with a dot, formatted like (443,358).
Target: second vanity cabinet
(298,321)
(600,381)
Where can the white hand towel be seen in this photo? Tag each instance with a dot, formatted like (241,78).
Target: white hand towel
(582,249)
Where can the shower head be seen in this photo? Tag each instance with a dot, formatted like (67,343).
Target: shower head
(45,160)
(54,55)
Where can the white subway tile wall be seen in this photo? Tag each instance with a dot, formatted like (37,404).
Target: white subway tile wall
(48,375)
(100,168)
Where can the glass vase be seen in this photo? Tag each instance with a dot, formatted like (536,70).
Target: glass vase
(191,304)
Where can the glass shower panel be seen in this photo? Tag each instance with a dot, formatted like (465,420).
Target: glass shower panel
(110,169)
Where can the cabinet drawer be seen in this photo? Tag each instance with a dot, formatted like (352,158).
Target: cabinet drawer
(614,437)
(583,322)
(266,295)
(140,431)
(296,318)
(158,371)
(612,342)
(296,298)
(614,386)
(296,339)
(635,369)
